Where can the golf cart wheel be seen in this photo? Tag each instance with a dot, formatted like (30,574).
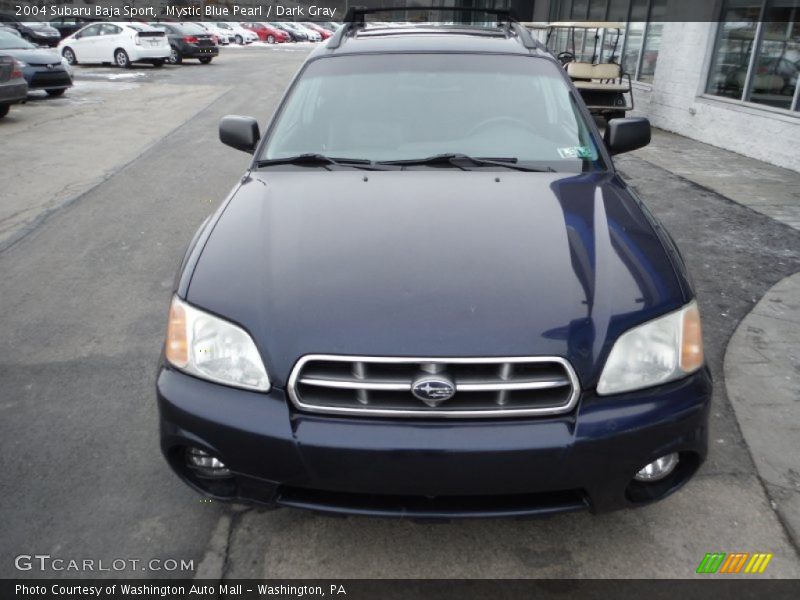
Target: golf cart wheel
(205,60)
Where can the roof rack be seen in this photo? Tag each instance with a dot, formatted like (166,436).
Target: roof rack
(355,18)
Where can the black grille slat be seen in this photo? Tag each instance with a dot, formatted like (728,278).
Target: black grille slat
(484,387)
(50,79)
(540,503)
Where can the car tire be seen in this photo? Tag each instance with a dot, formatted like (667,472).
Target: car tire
(4,108)
(175,57)
(56,93)
(205,60)
(121,59)
(270,39)
(158,63)
(69,55)
(239,40)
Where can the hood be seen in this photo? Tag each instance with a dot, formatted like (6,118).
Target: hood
(434,263)
(35,56)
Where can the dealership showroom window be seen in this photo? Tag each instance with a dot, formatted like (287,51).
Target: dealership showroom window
(730,78)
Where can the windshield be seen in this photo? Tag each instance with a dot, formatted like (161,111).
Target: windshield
(410,106)
(9,41)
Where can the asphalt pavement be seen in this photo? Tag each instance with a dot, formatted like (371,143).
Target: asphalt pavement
(85,278)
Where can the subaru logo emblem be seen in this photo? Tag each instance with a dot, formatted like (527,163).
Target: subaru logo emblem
(433,390)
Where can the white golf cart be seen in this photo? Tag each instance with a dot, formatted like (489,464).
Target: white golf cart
(588,51)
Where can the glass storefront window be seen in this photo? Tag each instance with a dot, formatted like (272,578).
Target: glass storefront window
(597,10)
(634,36)
(633,45)
(618,10)
(771,76)
(777,65)
(652,40)
(737,29)
(580,8)
(613,43)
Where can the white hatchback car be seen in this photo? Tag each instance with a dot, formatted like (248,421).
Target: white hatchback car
(240,35)
(119,43)
(224,37)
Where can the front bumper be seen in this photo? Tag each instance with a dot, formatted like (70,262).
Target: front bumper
(435,469)
(42,78)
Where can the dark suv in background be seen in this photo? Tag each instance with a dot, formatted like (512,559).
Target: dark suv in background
(478,318)
(33,31)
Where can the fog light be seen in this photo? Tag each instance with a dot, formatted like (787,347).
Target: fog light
(205,464)
(659,468)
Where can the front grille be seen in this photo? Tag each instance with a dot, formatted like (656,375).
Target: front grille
(47,79)
(433,387)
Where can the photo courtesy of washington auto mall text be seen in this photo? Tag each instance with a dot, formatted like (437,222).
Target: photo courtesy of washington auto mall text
(199,590)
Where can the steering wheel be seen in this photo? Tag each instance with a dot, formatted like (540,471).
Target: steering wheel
(565,57)
(500,120)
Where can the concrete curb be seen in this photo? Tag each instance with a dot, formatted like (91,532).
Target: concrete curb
(762,377)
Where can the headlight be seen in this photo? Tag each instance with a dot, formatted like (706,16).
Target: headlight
(211,348)
(20,64)
(661,350)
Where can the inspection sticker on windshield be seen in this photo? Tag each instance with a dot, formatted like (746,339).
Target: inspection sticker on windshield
(575,152)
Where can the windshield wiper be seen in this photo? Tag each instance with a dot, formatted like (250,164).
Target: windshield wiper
(319,159)
(454,159)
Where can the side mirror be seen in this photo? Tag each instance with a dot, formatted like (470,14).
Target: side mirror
(239,132)
(624,135)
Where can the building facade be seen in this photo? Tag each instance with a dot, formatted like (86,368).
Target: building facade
(726,73)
